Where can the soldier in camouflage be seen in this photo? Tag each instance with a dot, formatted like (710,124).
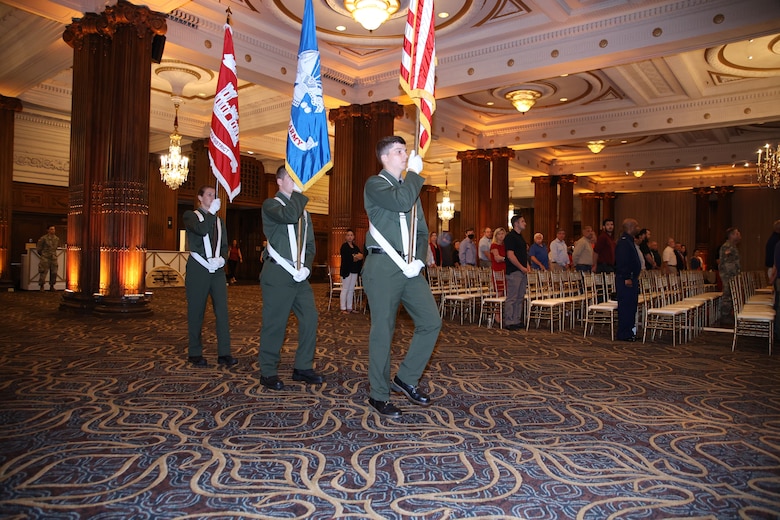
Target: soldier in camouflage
(47,250)
(728,266)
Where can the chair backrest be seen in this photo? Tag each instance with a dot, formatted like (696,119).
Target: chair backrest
(499,283)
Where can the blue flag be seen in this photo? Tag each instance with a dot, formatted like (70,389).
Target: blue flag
(308,148)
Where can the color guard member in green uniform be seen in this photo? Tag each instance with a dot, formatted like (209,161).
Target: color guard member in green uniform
(207,242)
(285,285)
(47,250)
(388,279)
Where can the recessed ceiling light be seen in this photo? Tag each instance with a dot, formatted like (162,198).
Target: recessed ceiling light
(750,57)
(623,142)
(564,99)
(202,94)
(341,28)
(444,15)
(250,152)
(490,103)
(564,75)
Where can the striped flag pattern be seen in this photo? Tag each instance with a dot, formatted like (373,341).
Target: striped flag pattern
(308,147)
(224,153)
(418,65)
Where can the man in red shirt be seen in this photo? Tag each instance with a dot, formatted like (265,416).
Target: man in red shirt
(605,248)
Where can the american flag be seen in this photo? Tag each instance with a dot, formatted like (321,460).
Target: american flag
(224,153)
(418,65)
(308,147)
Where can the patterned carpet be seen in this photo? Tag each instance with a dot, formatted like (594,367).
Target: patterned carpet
(103,419)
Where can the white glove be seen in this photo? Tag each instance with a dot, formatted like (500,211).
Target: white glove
(413,269)
(414,164)
(301,274)
(296,187)
(216,262)
(215,205)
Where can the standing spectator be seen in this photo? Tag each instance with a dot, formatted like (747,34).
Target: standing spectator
(447,249)
(467,252)
(284,283)
(605,248)
(390,280)
(262,253)
(559,255)
(582,257)
(434,251)
(207,241)
(644,246)
(498,254)
(484,247)
(697,262)
(637,239)
(537,254)
(47,251)
(627,269)
(679,253)
(516,274)
(656,255)
(234,258)
(669,258)
(456,253)
(729,267)
(351,264)
(774,238)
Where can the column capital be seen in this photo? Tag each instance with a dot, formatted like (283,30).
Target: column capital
(105,24)
(430,188)
(496,153)
(723,190)
(473,154)
(703,192)
(590,196)
(544,180)
(10,103)
(608,195)
(567,179)
(384,108)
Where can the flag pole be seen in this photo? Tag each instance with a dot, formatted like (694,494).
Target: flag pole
(413,216)
(228,12)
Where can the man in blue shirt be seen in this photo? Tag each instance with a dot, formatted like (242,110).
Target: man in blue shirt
(468,250)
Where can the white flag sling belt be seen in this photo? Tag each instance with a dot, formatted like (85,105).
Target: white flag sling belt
(280,260)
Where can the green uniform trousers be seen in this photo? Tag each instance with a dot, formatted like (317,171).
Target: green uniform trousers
(199,284)
(281,294)
(386,286)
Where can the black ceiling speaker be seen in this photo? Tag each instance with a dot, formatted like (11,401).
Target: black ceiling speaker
(158,45)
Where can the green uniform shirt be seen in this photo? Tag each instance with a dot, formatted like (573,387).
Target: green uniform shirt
(277,216)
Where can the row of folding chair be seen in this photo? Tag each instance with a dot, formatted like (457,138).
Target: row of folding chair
(754,313)
(553,296)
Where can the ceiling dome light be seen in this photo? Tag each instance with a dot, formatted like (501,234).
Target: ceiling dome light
(371,13)
(596,146)
(638,173)
(523,99)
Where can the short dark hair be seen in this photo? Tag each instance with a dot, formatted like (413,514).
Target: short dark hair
(604,222)
(729,231)
(643,231)
(515,218)
(202,190)
(385,143)
(281,171)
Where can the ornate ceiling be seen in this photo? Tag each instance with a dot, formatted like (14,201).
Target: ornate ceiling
(686,90)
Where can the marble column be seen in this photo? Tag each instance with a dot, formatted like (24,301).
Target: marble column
(357,129)
(499,195)
(565,207)
(475,189)
(8,108)
(545,198)
(590,211)
(109,163)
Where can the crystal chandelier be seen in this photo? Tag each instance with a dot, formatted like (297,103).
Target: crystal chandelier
(174,166)
(596,146)
(766,166)
(371,13)
(446,208)
(524,99)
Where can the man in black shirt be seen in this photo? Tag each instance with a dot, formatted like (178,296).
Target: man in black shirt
(516,274)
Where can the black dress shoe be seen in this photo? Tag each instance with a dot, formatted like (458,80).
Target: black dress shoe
(385,408)
(227,360)
(198,361)
(411,392)
(272,382)
(309,376)
(632,339)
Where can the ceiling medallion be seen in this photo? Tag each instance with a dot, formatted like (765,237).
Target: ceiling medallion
(371,13)
(523,99)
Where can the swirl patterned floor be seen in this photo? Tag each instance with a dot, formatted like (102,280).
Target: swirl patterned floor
(103,418)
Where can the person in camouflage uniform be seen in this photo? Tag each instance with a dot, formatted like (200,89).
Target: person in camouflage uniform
(729,267)
(47,250)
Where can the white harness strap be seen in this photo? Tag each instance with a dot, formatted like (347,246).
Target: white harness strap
(207,245)
(385,245)
(285,263)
